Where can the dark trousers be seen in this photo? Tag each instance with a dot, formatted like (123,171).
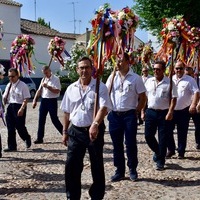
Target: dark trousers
(77,144)
(181,120)
(196,119)
(124,125)
(155,120)
(51,106)
(15,122)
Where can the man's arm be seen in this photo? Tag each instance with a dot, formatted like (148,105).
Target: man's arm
(93,132)
(195,99)
(172,105)
(22,108)
(66,123)
(141,102)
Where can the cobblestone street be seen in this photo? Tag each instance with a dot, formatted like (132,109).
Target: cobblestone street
(38,173)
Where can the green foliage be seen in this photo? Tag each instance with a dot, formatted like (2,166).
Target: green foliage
(152,12)
(42,22)
(77,51)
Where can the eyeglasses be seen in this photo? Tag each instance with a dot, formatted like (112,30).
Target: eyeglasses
(84,67)
(179,68)
(156,69)
(11,76)
(188,68)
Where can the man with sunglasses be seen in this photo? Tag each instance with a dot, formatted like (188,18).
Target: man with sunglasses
(159,112)
(188,97)
(16,95)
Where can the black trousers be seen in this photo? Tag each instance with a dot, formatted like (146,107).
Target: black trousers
(14,123)
(48,105)
(77,144)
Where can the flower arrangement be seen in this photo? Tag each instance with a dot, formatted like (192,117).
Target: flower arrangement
(55,48)
(21,52)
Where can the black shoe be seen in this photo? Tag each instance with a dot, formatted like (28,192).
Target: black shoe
(159,167)
(117,177)
(38,141)
(28,142)
(181,156)
(133,175)
(197,146)
(9,150)
(170,154)
(0,154)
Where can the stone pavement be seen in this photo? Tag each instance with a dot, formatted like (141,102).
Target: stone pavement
(38,173)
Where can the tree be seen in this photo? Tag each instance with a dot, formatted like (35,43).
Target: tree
(42,22)
(153,11)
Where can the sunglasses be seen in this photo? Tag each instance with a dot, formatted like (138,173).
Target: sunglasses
(145,71)
(179,68)
(11,76)
(156,69)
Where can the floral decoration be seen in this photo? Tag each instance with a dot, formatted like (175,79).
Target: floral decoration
(55,48)
(21,51)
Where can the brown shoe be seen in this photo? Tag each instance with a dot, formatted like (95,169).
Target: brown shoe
(170,154)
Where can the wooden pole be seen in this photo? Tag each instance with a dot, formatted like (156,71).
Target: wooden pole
(98,77)
(171,75)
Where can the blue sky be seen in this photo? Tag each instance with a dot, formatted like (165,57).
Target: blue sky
(61,13)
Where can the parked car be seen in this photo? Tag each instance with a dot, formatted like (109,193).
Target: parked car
(29,82)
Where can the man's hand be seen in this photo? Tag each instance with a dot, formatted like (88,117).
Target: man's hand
(65,139)
(34,104)
(93,132)
(20,112)
(192,108)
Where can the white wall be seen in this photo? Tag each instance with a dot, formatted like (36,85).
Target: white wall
(42,55)
(10,15)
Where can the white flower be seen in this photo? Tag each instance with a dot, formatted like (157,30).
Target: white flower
(170,26)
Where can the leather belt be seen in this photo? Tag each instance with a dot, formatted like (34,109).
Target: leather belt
(120,113)
(82,128)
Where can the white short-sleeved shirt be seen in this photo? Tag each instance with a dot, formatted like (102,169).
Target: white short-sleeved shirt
(124,95)
(158,94)
(186,87)
(54,82)
(18,92)
(145,78)
(80,104)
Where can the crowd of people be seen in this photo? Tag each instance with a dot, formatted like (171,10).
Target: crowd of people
(161,103)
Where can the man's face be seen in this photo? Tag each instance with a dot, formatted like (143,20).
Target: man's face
(189,71)
(179,69)
(13,77)
(84,69)
(47,73)
(121,62)
(158,71)
(145,72)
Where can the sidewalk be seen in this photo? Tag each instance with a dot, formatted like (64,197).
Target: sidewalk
(38,174)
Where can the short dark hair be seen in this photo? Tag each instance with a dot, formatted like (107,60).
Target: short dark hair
(45,67)
(161,62)
(14,70)
(85,58)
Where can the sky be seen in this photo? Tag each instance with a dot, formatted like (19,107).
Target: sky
(62,13)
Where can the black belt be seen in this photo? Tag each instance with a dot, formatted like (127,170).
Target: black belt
(81,128)
(158,110)
(120,113)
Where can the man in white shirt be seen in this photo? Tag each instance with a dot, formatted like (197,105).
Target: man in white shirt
(86,131)
(126,90)
(159,112)
(188,97)
(196,116)
(49,90)
(16,95)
